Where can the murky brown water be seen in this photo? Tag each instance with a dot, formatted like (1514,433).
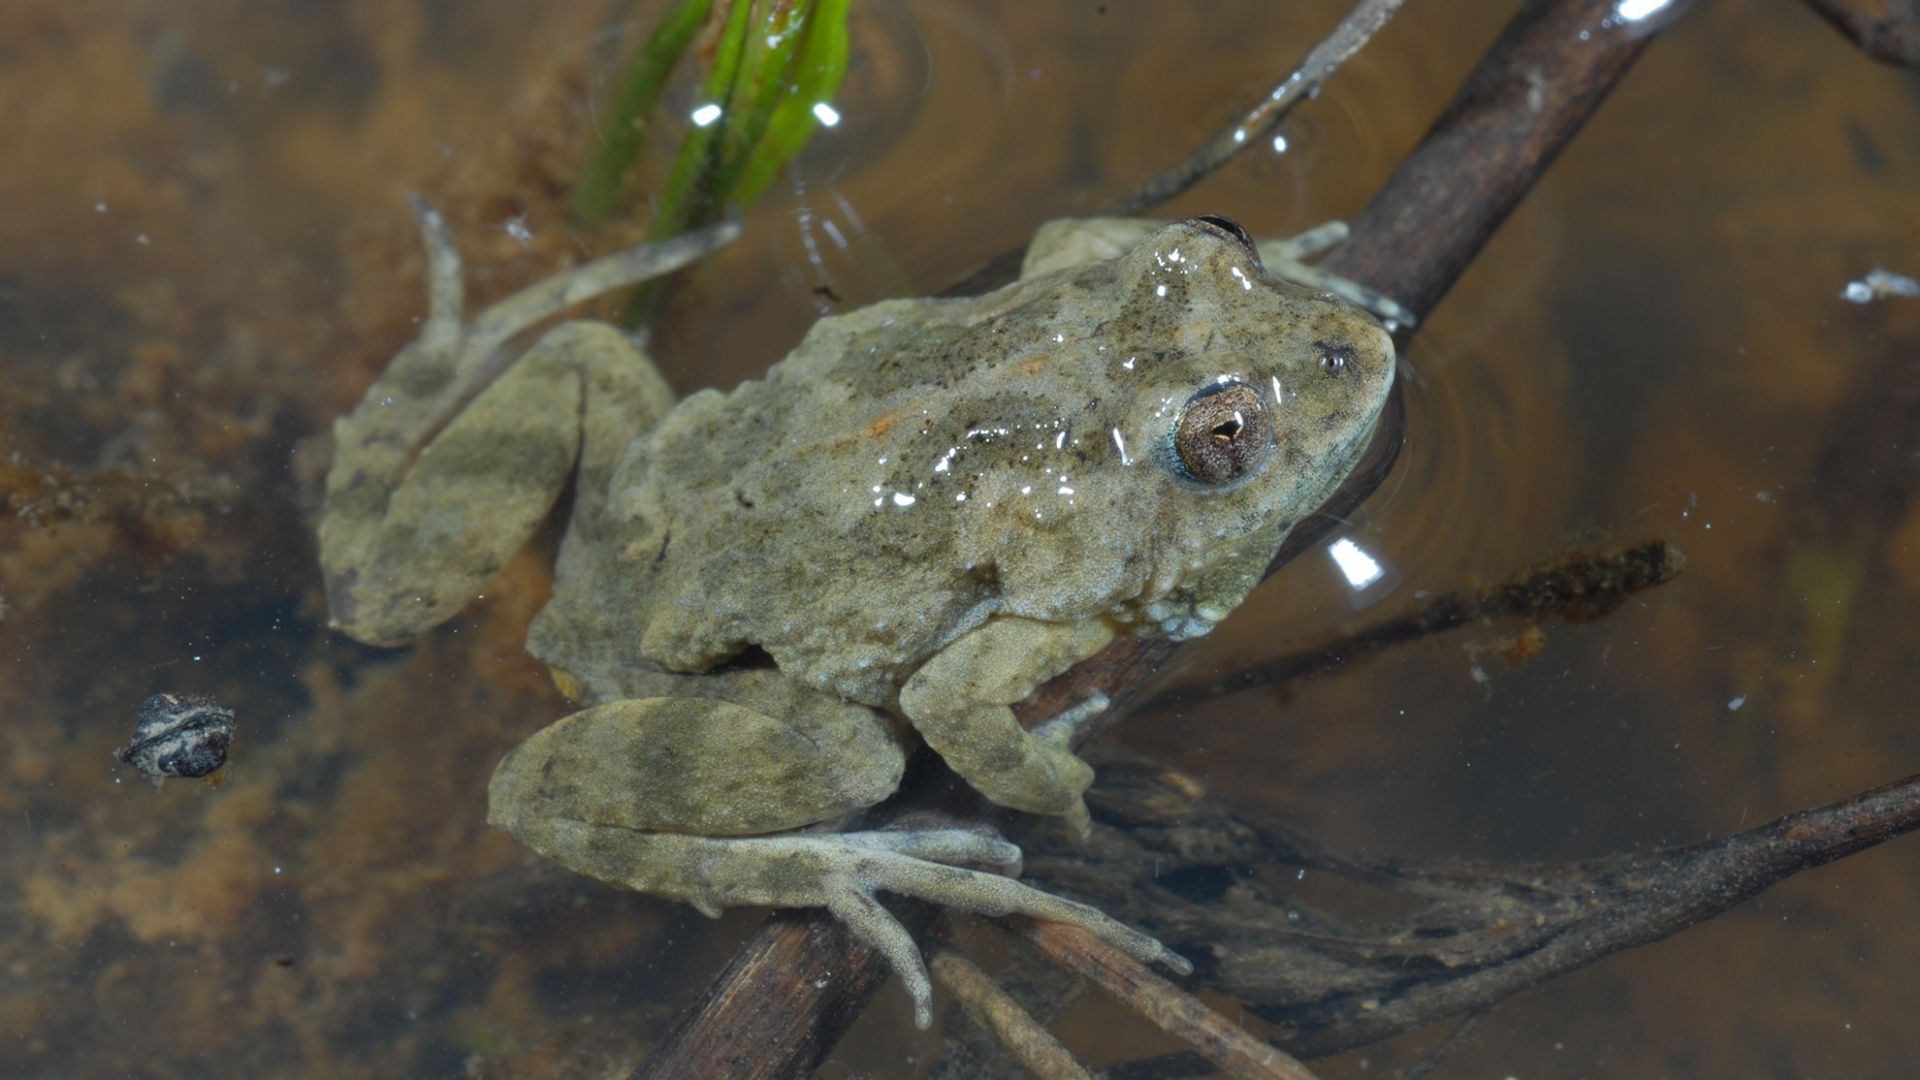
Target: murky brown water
(205,255)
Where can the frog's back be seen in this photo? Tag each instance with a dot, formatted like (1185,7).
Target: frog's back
(751,519)
(917,467)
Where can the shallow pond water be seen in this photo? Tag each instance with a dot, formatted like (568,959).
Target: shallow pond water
(205,255)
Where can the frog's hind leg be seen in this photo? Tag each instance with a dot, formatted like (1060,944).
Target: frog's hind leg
(400,554)
(450,460)
(676,797)
(839,872)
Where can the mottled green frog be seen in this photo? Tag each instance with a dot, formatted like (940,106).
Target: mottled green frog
(930,507)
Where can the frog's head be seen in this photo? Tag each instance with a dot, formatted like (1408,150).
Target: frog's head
(1256,402)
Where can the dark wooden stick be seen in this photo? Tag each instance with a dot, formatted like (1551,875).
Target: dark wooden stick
(1887,30)
(1547,73)
(994,1009)
(1220,1040)
(1611,905)
(1577,586)
(783,1004)
(1454,939)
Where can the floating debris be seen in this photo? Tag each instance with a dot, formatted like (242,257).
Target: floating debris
(179,735)
(1879,284)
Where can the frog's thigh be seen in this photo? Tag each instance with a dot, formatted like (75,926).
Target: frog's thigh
(959,700)
(700,766)
(402,554)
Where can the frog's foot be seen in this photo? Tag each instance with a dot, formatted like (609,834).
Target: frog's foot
(1286,259)
(919,864)
(701,800)
(1062,730)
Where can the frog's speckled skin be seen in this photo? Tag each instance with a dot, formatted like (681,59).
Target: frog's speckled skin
(927,509)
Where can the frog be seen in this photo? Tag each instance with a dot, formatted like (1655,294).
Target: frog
(765,598)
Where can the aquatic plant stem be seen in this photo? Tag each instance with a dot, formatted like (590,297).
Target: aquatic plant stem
(814,74)
(636,94)
(686,194)
(774,67)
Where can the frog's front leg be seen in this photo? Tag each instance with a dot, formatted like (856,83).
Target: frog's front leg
(676,796)
(449,462)
(959,702)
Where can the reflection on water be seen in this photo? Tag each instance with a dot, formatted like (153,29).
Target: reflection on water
(205,256)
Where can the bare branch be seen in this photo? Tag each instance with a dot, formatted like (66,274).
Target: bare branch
(993,1009)
(1886,30)
(1477,933)
(1175,1011)
(1443,1049)
(1254,125)
(1578,586)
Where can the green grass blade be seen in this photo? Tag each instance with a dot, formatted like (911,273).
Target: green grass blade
(814,77)
(636,95)
(688,193)
(762,82)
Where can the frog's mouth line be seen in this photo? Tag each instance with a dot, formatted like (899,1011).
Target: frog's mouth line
(1365,464)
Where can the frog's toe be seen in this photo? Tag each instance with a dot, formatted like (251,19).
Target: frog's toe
(894,870)
(869,920)
(990,894)
(953,846)
(1062,728)
(1078,820)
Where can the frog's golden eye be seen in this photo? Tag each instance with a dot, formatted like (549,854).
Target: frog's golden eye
(1222,433)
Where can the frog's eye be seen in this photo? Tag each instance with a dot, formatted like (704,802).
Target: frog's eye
(1222,434)
(1229,230)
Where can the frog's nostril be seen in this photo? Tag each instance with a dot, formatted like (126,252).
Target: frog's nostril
(1334,359)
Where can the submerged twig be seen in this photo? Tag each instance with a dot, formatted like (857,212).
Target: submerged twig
(1172,1009)
(1254,125)
(1476,934)
(1886,30)
(1444,1049)
(1577,586)
(993,1009)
